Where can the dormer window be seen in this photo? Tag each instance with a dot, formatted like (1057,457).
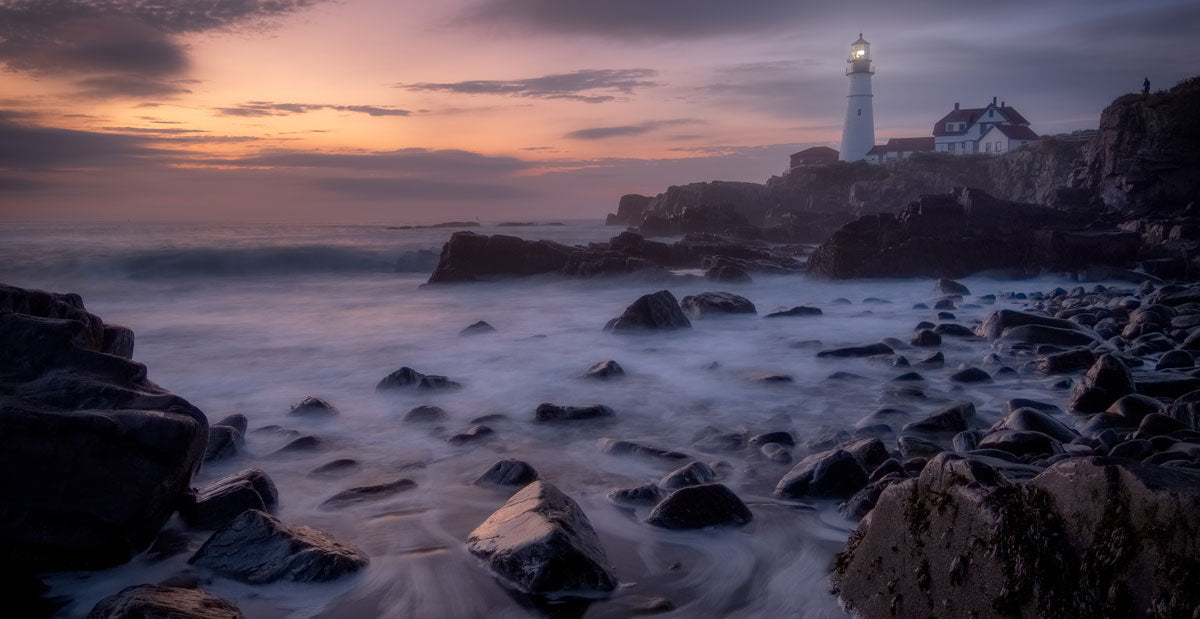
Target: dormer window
(950,126)
(991,113)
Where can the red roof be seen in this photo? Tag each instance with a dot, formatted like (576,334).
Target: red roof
(1017,132)
(816,154)
(902,145)
(970,115)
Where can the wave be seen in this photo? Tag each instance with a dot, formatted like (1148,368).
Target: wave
(252,261)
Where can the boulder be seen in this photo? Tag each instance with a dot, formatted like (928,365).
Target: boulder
(554,412)
(1135,406)
(645,494)
(833,474)
(472,434)
(691,474)
(728,274)
(656,311)
(223,442)
(469,257)
(1067,361)
(1021,443)
(1041,334)
(237,421)
(1085,538)
(1038,421)
(540,542)
(697,507)
(971,375)
(946,421)
(258,548)
(946,287)
(374,492)
(869,350)
(707,304)
(218,503)
(1000,321)
(1186,409)
(478,328)
(424,414)
(604,370)
(400,379)
(799,310)
(96,456)
(926,337)
(1107,380)
(313,407)
(155,602)
(508,473)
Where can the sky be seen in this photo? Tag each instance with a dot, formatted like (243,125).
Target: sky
(399,111)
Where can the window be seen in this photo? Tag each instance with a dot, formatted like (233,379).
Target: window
(949,126)
(987,148)
(991,113)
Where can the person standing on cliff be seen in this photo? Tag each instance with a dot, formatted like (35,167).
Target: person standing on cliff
(1146,87)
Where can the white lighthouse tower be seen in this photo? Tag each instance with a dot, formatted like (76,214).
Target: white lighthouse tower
(858,134)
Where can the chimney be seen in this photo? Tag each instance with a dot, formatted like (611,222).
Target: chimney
(1003,104)
(956,106)
(993,100)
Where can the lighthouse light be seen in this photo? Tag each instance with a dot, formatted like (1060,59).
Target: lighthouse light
(859,53)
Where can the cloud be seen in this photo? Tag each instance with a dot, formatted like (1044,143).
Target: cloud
(601,133)
(269,108)
(25,147)
(569,86)
(120,48)
(418,189)
(16,184)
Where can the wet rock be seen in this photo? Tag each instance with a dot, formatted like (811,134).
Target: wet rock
(400,379)
(781,437)
(1037,421)
(604,370)
(950,329)
(707,304)
(891,417)
(223,442)
(313,407)
(830,474)
(857,506)
(540,542)
(1036,405)
(998,322)
(936,360)
(1164,384)
(478,328)
(657,311)
(858,351)
(697,507)
(799,310)
(1106,381)
(1066,362)
(301,444)
(868,452)
(776,453)
(1021,443)
(547,412)
(258,548)
(728,273)
(1026,549)
(431,382)
(1158,424)
(218,503)
(965,441)
(691,474)
(917,447)
(614,447)
(1039,334)
(469,257)
(1133,450)
(237,421)
(948,420)
(472,434)
(336,468)
(424,414)
(949,287)
(361,494)
(1186,409)
(155,602)
(1175,359)
(971,375)
(645,494)
(926,337)
(944,304)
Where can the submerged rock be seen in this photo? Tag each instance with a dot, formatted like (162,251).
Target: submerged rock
(708,304)
(692,474)
(218,503)
(604,370)
(478,328)
(258,548)
(508,473)
(869,350)
(368,493)
(799,310)
(554,412)
(656,311)
(313,407)
(697,507)
(540,542)
(155,602)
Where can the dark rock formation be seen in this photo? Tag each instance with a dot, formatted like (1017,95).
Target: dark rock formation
(708,304)
(540,542)
(604,370)
(870,350)
(424,414)
(468,256)
(630,210)
(223,442)
(477,328)
(799,310)
(508,473)
(258,548)
(218,503)
(691,474)
(554,412)
(963,233)
(655,311)
(373,492)
(95,456)
(833,474)
(155,602)
(1085,538)
(697,507)
(1106,381)
(313,407)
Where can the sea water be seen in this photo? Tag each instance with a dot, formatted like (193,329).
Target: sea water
(252,318)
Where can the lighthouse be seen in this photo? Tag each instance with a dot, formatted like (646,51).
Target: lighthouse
(858,133)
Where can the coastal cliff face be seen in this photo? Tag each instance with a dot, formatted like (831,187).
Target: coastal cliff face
(1147,156)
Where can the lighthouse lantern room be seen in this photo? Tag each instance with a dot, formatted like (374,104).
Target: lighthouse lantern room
(858,132)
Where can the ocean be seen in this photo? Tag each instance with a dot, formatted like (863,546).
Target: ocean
(252,318)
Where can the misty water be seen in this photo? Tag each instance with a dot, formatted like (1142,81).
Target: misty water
(252,318)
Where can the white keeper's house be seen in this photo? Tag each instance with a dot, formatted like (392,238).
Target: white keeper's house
(991,129)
